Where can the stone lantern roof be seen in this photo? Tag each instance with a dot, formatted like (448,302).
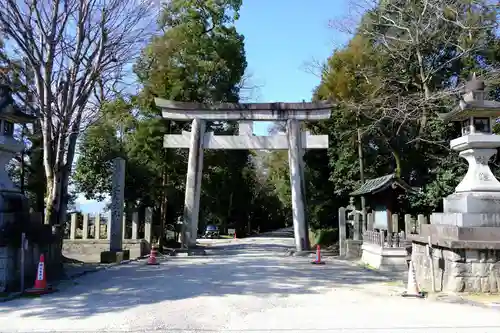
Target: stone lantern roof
(9,110)
(473,103)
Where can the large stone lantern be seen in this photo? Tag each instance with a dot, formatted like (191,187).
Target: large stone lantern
(14,207)
(479,190)
(10,114)
(459,251)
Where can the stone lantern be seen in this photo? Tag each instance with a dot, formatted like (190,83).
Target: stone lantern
(10,114)
(477,145)
(14,206)
(464,240)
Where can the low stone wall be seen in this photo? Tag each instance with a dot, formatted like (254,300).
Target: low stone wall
(458,269)
(10,265)
(353,248)
(94,247)
(384,258)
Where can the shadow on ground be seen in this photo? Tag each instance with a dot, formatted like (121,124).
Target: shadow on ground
(135,284)
(280,233)
(247,248)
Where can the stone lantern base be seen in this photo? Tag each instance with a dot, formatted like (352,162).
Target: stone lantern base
(465,259)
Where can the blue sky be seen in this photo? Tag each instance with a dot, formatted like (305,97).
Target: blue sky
(281,36)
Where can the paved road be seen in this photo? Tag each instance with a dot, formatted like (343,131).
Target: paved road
(244,286)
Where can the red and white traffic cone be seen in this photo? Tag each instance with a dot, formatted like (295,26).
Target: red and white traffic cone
(40,287)
(318,257)
(152,257)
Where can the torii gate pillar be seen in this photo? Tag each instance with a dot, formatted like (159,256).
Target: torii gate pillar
(295,142)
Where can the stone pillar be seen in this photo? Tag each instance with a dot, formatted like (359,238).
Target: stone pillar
(193,183)
(85,226)
(72,226)
(395,223)
(358,227)
(108,226)
(97,226)
(148,224)
(124,226)
(408,224)
(298,211)
(302,152)
(421,220)
(135,224)
(370,221)
(342,232)
(117,200)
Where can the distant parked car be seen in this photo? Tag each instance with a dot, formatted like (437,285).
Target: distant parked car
(211,231)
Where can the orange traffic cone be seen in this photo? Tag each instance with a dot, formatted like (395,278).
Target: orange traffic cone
(152,257)
(40,286)
(318,257)
(412,289)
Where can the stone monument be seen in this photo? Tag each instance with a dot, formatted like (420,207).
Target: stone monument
(116,253)
(464,240)
(295,142)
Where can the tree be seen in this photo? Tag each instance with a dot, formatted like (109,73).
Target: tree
(404,64)
(200,57)
(76,50)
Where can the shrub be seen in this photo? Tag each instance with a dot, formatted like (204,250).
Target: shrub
(325,237)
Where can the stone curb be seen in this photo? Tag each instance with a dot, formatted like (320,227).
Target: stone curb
(324,253)
(437,297)
(69,277)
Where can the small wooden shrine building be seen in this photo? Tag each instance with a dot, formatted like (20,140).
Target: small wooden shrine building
(381,196)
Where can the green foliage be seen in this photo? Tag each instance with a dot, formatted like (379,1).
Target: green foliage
(200,58)
(325,237)
(377,83)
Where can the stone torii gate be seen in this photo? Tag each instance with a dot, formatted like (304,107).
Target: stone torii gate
(294,141)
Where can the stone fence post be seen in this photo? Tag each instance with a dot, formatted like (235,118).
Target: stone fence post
(408,224)
(148,225)
(370,219)
(358,227)
(72,227)
(421,219)
(97,226)
(395,223)
(135,225)
(85,226)
(108,226)
(342,232)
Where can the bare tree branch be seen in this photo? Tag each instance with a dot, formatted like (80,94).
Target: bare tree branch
(72,48)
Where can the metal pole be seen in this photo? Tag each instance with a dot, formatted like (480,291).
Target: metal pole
(23,245)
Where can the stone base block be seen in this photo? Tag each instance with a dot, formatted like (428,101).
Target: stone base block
(466,220)
(393,259)
(459,237)
(472,202)
(457,269)
(111,257)
(196,252)
(353,248)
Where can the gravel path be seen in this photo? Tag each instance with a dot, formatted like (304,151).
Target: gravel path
(242,286)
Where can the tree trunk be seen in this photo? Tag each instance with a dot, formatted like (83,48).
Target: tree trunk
(163,209)
(66,172)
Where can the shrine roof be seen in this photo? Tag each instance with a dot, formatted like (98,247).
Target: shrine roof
(375,185)
(245,111)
